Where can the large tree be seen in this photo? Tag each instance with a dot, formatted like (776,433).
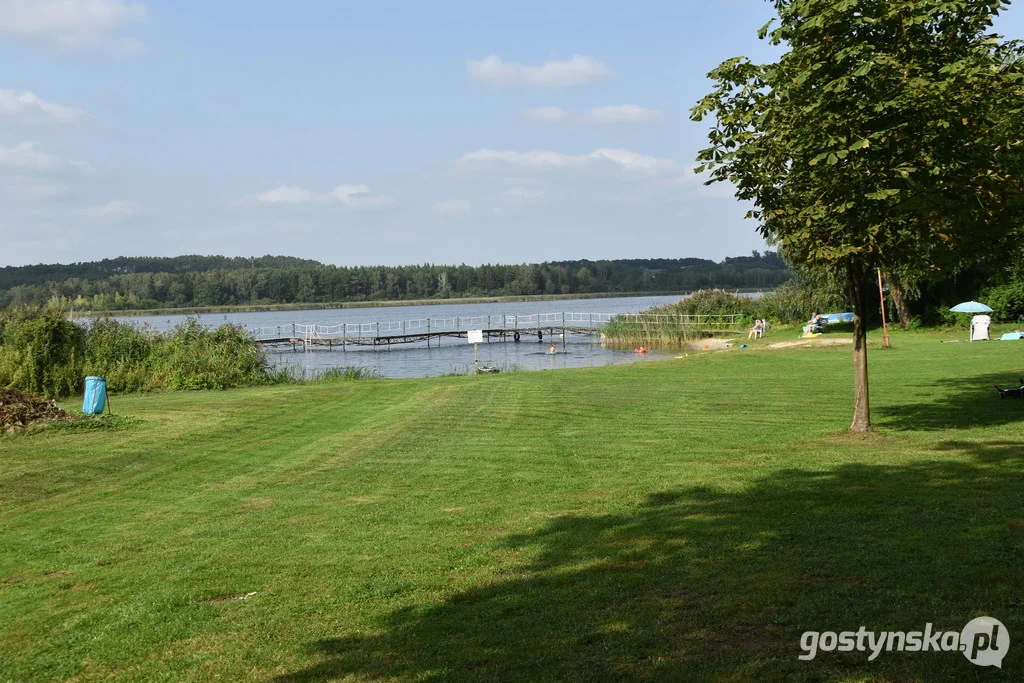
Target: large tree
(875,141)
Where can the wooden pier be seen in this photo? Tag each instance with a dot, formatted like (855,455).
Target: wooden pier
(501,328)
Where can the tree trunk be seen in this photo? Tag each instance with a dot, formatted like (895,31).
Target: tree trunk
(899,297)
(858,281)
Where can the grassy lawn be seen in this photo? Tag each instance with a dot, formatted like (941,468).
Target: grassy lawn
(678,520)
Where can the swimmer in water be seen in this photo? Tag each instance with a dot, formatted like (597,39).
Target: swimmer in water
(552,349)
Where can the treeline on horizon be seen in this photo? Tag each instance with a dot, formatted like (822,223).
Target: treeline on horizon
(194,281)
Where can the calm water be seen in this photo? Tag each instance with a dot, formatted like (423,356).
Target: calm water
(453,355)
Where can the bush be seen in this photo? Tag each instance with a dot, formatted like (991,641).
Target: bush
(709,302)
(1006,301)
(195,357)
(121,353)
(792,302)
(41,354)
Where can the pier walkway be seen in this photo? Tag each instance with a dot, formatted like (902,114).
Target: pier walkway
(495,327)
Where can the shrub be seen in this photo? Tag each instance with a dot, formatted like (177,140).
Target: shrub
(793,302)
(709,302)
(195,357)
(121,353)
(41,354)
(1006,301)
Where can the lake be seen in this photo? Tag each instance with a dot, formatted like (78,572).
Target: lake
(452,355)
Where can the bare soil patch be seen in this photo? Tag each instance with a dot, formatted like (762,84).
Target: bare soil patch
(818,341)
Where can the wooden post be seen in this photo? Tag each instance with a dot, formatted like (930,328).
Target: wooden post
(476,359)
(881,296)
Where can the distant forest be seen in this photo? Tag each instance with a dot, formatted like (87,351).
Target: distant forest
(189,281)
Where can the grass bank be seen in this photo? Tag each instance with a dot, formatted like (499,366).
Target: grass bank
(678,520)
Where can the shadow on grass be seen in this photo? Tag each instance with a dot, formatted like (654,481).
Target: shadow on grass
(700,584)
(956,403)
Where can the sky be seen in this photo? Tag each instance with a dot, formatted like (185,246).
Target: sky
(361,133)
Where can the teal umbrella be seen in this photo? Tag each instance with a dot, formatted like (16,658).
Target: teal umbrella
(971,307)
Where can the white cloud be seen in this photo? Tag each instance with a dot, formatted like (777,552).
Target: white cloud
(546,115)
(359,196)
(27,156)
(614,114)
(353,196)
(452,207)
(531,159)
(579,70)
(23,108)
(633,161)
(625,113)
(523,195)
(623,158)
(71,25)
(287,194)
(115,209)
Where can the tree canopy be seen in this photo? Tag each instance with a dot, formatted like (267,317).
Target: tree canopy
(881,139)
(124,283)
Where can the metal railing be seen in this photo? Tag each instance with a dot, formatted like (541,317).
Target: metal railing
(504,322)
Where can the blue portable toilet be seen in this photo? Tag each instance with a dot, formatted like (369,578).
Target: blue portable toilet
(95,396)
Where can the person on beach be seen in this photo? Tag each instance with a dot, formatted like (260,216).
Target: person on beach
(757,330)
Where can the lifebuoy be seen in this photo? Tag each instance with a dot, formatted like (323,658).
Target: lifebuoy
(515,337)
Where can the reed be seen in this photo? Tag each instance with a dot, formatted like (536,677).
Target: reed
(346,373)
(704,314)
(653,331)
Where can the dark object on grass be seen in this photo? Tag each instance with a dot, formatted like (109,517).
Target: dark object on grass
(19,410)
(1012,393)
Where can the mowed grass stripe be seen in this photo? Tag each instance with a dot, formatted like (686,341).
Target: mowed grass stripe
(679,519)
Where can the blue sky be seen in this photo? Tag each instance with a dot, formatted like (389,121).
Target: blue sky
(365,133)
